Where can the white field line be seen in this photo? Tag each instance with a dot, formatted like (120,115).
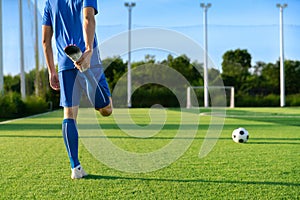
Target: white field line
(31,116)
(249,116)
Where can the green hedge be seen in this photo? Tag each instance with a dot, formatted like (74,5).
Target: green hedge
(293,100)
(257,101)
(35,105)
(142,98)
(12,106)
(271,100)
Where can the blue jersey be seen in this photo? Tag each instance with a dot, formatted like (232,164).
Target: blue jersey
(66,19)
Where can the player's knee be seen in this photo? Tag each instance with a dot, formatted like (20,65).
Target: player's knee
(70,112)
(105,112)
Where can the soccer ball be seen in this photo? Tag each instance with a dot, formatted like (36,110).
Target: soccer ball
(240,135)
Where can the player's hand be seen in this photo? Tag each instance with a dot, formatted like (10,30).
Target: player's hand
(54,81)
(84,62)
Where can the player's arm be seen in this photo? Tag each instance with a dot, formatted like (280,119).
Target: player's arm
(47,34)
(89,24)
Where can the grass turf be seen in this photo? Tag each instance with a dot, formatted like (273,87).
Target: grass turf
(34,163)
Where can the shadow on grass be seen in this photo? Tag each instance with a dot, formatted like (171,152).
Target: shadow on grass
(263,141)
(29,126)
(30,136)
(99,177)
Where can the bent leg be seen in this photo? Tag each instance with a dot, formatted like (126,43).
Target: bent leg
(95,91)
(106,111)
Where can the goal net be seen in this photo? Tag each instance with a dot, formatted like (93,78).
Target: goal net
(217,96)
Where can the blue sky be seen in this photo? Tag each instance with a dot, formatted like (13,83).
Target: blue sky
(232,24)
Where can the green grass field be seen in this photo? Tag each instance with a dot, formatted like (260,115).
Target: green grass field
(34,163)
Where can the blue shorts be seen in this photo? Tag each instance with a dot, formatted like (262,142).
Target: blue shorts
(72,84)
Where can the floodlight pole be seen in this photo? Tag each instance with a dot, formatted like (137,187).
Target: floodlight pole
(129,6)
(205,67)
(37,63)
(1,53)
(22,71)
(282,80)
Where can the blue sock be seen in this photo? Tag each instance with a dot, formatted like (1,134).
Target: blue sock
(70,134)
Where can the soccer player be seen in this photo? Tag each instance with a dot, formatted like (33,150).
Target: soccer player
(73,22)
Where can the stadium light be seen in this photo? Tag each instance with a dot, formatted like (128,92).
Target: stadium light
(282,79)
(129,6)
(205,78)
(36,49)
(1,53)
(22,72)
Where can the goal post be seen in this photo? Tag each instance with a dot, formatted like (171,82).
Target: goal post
(228,92)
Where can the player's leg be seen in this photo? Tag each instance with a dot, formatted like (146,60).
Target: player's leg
(100,76)
(106,111)
(95,92)
(70,97)
(70,135)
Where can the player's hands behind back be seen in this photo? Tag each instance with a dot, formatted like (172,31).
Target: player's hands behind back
(84,62)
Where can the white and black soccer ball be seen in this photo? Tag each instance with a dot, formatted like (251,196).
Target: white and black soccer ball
(240,135)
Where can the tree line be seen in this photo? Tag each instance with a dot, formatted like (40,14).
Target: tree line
(256,85)
(259,85)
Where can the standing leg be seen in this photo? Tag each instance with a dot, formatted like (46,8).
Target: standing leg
(70,135)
